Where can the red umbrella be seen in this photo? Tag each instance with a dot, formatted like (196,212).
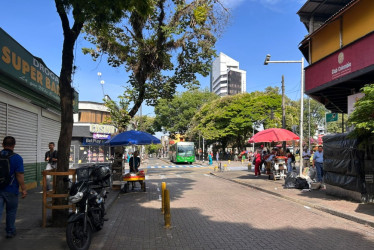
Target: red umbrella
(274,134)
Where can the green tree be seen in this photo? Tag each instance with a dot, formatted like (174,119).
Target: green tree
(99,13)
(230,119)
(143,123)
(363,115)
(174,116)
(162,50)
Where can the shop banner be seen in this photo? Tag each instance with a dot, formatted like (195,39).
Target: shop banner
(31,71)
(350,59)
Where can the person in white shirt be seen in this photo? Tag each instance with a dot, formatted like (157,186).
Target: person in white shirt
(306,157)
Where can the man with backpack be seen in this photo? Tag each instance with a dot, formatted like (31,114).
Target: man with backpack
(11,178)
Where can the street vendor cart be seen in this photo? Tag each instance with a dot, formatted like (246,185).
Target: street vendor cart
(133,137)
(133,178)
(278,168)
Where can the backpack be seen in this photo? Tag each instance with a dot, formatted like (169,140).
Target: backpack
(5,177)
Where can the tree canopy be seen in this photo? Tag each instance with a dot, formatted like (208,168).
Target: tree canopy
(231,119)
(174,116)
(162,50)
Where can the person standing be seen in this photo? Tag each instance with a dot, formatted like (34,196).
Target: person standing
(217,156)
(134,162)
(210,158)
(318,163)
(258,161)
(9,193)
(306,157)
(289,160)
(51,159)
(51,156)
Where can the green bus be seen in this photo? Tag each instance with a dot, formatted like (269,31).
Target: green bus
(182,152)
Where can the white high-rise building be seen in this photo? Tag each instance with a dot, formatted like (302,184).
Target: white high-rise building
(226,78)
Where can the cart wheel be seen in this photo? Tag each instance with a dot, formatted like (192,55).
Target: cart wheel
(143,187)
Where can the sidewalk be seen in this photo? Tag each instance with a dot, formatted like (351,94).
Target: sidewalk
(30,234)
(317,199)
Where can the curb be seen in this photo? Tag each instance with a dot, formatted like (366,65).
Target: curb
(305,203)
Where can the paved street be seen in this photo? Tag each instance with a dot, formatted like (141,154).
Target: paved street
(208,212)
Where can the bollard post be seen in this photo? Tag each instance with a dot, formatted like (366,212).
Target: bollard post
(229,162)
(167,216)
(163,187)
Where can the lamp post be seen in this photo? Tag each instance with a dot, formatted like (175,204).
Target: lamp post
(267,61)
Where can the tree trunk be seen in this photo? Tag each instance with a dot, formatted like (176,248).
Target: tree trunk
(59,216)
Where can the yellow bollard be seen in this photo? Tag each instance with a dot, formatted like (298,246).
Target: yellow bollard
(167,216)
(229,162)
(163,187)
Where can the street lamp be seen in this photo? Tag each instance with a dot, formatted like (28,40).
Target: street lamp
(101,82)
(266,62)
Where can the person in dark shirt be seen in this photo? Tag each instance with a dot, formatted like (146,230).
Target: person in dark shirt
(134,162)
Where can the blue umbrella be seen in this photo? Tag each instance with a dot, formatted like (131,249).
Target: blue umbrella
(132,137)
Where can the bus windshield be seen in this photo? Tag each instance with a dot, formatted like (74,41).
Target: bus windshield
(186,150)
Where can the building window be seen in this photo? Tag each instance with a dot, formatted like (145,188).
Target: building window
(91,116)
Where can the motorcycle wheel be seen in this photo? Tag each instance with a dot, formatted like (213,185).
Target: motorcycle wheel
(76,238)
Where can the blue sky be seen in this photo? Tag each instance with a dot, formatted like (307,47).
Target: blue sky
(256,28)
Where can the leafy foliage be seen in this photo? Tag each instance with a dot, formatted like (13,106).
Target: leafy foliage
(231,119)
(162,50)
(174,116)
(363,115)
(143,123)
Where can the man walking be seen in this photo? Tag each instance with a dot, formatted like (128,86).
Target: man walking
(318,163)
(9,193)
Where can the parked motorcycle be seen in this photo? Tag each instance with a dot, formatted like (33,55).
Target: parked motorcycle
(88,194)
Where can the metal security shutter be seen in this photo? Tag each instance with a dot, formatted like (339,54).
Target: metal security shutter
(50,132)
(23,125)
(2,121)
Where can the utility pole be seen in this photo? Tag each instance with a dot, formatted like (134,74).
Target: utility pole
(309,123)
(283,113)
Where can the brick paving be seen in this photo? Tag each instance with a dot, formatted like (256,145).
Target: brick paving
(209,212)
(227,210)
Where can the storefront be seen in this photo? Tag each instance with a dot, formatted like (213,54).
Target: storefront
(89,136)
(29,105)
